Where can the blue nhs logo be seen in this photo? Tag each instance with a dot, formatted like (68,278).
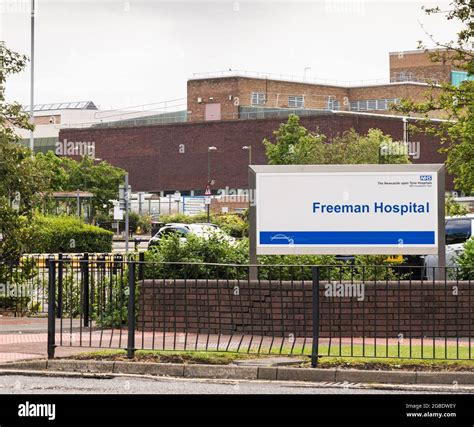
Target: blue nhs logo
(426,178)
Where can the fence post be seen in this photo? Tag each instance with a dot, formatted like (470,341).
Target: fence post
(141,266)
(51,307)
(85,292)
(60,286)
(315,298)
(131,310)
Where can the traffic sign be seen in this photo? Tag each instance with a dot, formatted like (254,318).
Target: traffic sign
(208,190)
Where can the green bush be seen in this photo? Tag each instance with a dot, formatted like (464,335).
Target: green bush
(68,234)
(104,220)
(193,257)
(19,283)
(198,251)
(144,222)
(133,220)
(466,261)
(233,224)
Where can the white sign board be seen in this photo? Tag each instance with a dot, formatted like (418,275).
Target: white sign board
(348,211)
(118,213)
(193,205)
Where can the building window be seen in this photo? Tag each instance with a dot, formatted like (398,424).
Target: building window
(296,101)
(373,104)
(258,98)
(457,77)
(381,104)
(333,104)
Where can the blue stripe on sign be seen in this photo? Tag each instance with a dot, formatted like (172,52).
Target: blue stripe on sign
(347,237)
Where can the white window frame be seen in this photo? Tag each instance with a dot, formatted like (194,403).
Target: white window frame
(371,104)
(380,103)
(296,100)
(258,98)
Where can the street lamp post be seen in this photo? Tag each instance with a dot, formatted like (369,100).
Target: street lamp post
(249,149)
(306,69)
(32,77)
(209,150)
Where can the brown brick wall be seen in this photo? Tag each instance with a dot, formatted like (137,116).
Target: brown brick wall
(151,153)
(267,308)
(277,93)
(416,92)
(420,65)
(223,91)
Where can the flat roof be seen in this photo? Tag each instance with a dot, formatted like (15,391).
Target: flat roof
(71,105)
(313,82)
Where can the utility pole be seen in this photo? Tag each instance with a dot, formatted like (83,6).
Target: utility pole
(249,149)
(127,199)
(209,181)
(32,77)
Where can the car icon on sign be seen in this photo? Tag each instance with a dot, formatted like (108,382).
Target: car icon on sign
(283,237)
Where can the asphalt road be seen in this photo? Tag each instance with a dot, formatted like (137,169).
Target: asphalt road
(19,384)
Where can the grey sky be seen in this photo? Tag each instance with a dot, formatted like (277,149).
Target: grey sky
(120,53)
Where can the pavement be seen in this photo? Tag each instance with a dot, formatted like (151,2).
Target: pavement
(21,384)
(25,339)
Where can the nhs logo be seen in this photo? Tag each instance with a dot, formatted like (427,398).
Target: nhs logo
(426,178)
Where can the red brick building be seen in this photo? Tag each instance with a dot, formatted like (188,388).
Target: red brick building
(165,158)
(234,110)
(234,95)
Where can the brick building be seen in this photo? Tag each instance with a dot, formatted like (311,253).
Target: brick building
(166,153)
(165,158)
(234,95)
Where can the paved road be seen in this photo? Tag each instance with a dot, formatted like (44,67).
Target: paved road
(19,384)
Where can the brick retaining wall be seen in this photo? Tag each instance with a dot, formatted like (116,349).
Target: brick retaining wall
(282,308)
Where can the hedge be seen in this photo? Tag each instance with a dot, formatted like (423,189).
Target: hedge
(53,234)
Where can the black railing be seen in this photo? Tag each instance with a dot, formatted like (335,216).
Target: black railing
(382,311)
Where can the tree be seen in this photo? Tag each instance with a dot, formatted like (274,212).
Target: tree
(101,179)
(22,182)
(456,102)
(294,144)
(66,174)
(373,148)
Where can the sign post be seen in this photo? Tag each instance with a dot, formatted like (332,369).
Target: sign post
(348,210)
(124,203)
(207,201)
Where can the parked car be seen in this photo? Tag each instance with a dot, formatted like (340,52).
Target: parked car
(203,230)
(459,230)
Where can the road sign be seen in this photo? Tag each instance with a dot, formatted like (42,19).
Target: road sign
(208,190)
(193,205)
(349,209)
(123,194)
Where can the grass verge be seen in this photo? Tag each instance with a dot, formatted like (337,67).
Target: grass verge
(349,358)
(155,356)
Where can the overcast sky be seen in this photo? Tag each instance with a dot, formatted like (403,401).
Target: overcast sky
(124,53)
